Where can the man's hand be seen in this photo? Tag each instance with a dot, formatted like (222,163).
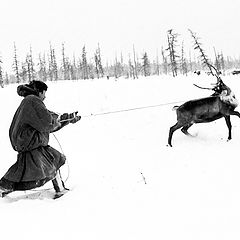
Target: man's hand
(76,119)
(72,117)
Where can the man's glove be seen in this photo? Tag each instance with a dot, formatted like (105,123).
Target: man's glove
(72,117)
(64,117)
(76,119)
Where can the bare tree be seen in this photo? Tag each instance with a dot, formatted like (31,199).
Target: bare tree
(79,69)
(54,64)
(28,64)
(73,69)
(16,64)
(42,68)
(131,68)
(135,63)
(1,73)
(65,64)
(98,63)
(32,70)
(53,69)
(157,70)
(190,62)
(183,62)
(146,65)
(172,44)
(164,60)
(219,61)
(23,73)
(85,64)
(222,62)
(50,63)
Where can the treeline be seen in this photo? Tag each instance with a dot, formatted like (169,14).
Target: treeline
(172,59)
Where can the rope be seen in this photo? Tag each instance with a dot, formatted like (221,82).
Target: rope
(131,109)
(66,160)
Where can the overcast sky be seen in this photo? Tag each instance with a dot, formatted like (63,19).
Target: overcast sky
(116,25)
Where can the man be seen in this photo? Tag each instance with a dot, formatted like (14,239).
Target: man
(37,162)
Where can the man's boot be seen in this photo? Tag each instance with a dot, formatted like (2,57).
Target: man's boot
(4,192)
(59,186)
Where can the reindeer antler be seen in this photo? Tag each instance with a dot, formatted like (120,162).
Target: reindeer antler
(217,73)
(203,87)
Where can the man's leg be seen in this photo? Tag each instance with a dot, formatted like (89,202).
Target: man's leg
(6,187)
(58,183)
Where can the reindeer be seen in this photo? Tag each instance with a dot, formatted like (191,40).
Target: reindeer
(220,104)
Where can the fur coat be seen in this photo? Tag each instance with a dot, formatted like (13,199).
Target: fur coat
(37,162)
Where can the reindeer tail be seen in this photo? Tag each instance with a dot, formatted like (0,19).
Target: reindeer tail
(175,108)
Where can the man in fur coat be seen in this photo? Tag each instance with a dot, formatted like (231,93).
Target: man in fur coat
(37,162)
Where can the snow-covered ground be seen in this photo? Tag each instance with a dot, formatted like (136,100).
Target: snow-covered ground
(126,183)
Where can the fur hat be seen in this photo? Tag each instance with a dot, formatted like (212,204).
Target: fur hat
(32,88)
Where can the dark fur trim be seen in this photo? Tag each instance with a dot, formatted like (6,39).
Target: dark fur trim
(25,90)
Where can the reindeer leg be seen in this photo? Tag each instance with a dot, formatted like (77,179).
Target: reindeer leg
(229,125)
(171,131)
(227,118)
(185,129)
(236,113)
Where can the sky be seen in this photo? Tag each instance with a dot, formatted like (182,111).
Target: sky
(116,26)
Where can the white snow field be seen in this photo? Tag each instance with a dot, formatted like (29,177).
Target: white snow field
(126,183)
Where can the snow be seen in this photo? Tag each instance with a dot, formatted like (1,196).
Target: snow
(126,183)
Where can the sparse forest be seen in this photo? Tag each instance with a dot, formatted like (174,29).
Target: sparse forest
(173,60)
